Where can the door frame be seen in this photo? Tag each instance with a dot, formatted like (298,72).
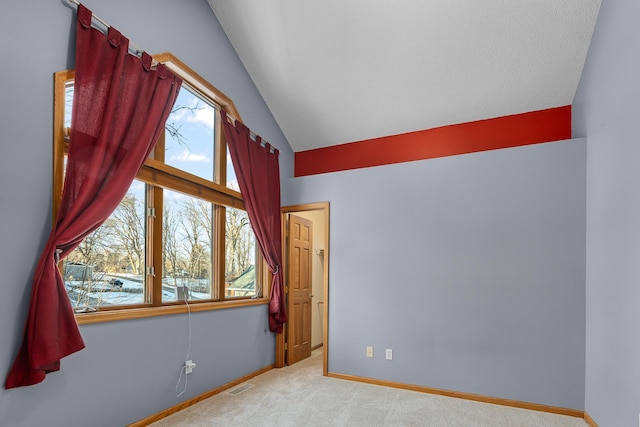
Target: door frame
(280,338)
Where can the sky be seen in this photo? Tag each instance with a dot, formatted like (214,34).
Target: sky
(195,120)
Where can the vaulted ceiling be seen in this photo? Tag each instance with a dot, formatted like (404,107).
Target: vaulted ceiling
(339,71)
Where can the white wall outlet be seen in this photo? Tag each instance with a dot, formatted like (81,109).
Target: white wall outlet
(369,351)
(188,366)
(389,354)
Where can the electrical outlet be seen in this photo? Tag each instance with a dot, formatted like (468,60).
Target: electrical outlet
(369,351)
(188,366)
(389,354)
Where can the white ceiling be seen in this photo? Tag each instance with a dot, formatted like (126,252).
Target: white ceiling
(338,71)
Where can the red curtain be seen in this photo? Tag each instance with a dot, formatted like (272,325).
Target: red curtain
(120,106)
(258,173)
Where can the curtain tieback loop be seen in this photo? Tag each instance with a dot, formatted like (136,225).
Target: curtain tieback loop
(277,269)
(56,255)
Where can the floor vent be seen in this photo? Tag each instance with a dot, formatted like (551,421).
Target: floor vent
(237,390)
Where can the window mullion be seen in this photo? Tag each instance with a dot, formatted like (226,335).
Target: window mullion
(155,246)
(61,79)
(219,251)
(220,148)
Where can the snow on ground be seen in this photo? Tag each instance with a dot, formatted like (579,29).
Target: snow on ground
(131,291)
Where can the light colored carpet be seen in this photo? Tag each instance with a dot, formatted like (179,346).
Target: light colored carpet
(299,395)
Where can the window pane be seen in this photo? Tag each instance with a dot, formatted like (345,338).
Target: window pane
(108,267)
(186,240)
(68,103)
(240,255)
(187,229)
(189,135)
(232,180)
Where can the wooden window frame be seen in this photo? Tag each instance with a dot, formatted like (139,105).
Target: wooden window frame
(160,175)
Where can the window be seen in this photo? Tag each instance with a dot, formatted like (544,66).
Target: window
(181,232)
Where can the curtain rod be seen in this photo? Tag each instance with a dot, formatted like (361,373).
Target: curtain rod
(263,142)
(135,48)
(132,46)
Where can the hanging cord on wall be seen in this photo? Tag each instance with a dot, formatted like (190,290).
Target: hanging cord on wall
(184,364)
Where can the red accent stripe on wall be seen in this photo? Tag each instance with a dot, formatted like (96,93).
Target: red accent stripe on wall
(553,124)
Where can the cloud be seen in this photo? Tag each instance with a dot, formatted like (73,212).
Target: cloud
(187,156)
(194,111)
(204,115)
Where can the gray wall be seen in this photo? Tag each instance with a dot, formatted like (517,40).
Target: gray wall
(471,268)
(606,112)
(129,368)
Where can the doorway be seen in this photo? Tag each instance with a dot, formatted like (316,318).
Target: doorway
(318,215)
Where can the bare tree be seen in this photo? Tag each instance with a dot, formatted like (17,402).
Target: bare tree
(173,128)
(237,243)
(197,238)
(129,228)
(91,250)
(171,259)
(84,266)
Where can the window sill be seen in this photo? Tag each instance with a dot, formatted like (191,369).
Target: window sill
(165,310)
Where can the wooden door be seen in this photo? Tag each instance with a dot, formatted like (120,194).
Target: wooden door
(299,289)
